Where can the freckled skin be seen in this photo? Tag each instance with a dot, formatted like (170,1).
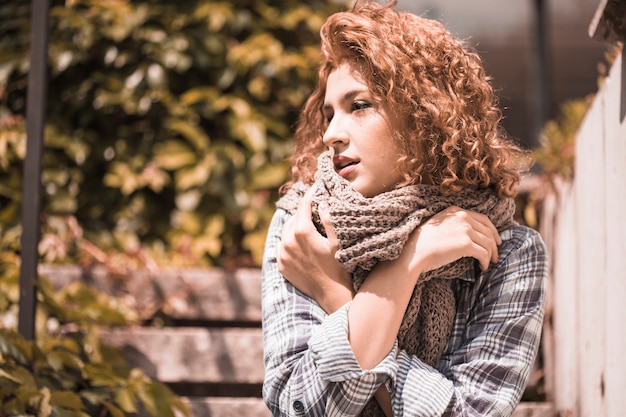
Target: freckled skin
(360,133)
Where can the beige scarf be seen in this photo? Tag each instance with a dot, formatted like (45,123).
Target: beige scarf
(370,230)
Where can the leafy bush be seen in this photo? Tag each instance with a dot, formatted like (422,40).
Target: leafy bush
(558,139)
(168,123)
(68,371)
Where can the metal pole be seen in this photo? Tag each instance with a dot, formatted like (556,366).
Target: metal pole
(541,66)
(31,187)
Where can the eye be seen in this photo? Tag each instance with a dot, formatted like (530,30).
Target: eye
(360,105)
(329,116)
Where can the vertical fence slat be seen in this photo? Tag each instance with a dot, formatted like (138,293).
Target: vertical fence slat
(31,188)
(564,302)
(615,377)
(591,227)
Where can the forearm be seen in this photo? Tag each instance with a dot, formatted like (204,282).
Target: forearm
(312,370)
(309,363)
(490,352)
(377,310)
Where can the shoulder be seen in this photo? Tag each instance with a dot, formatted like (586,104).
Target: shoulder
(274,233)
(278,219)
(522,242)
(522,265)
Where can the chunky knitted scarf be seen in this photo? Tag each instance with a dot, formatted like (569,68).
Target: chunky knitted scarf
(370,230)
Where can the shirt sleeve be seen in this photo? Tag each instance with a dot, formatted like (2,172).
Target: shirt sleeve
(493,344)
(310,368)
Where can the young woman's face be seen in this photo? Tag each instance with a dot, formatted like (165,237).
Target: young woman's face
(360,133)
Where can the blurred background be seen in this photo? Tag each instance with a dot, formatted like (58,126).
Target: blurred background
(167,133)
(168,126)
(538,52)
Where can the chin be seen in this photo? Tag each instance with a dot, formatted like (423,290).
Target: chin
(365,192)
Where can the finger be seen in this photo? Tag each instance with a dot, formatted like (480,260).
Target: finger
(304,206)
(484,220)
(484,248)
(325,218)
(303,215)
(488,239)
(487,228)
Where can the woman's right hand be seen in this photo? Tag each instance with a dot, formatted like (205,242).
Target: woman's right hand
(307,259)
(452,234)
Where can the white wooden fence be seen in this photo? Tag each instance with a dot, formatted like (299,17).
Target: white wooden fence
(584,224)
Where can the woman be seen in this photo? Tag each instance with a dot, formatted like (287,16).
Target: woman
(395,281)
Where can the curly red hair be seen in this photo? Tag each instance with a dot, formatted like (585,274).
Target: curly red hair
(451,122)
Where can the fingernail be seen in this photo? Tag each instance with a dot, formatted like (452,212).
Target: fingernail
(323,206)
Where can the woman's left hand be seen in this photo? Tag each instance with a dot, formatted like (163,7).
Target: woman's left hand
(307,259)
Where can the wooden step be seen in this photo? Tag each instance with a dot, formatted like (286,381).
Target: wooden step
(193,355)
(184,294)
(217,367)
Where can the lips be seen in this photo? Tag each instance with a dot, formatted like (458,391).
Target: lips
(344,165)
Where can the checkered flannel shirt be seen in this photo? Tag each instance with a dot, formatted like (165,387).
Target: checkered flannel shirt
(310,369)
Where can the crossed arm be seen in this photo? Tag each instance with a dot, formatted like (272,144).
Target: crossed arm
(331,349)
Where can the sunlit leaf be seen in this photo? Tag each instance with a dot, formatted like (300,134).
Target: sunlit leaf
(60,359)
(66,399)
(197,94)
(196,175)
(147,103)
(173,155)
(194,134)
(43,403)
(114,410)
(269,176)
(125,398)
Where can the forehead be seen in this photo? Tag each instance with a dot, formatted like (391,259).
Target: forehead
(344,80)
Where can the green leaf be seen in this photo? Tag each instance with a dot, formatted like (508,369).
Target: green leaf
(7,375)
(196,175)
(269,176)
(13,346)
(190,131)
(199,94)
(59,359)
(114,410)
(66,399)
(44,407)
(64,412)
(173,155)
(121,176)
(125,398)
(101,375)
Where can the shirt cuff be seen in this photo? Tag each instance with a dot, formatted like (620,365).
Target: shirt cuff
(430,391)
(333,355)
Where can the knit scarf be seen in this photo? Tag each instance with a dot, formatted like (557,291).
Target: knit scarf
(370,230)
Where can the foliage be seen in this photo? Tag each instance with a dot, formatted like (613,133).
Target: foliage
(558,139)
(168,123)
(69,372)
(75,377)
(614,15)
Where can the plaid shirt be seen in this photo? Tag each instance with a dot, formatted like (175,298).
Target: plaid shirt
(310,369)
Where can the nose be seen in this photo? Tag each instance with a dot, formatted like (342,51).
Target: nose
(336,133)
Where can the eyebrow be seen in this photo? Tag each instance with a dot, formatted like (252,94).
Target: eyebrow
(348,96)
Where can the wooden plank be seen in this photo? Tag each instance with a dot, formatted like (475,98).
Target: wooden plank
(565,305)
(592,244)
(185,294)
(227,407)
(534,409)
(194,355)
(615,375)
